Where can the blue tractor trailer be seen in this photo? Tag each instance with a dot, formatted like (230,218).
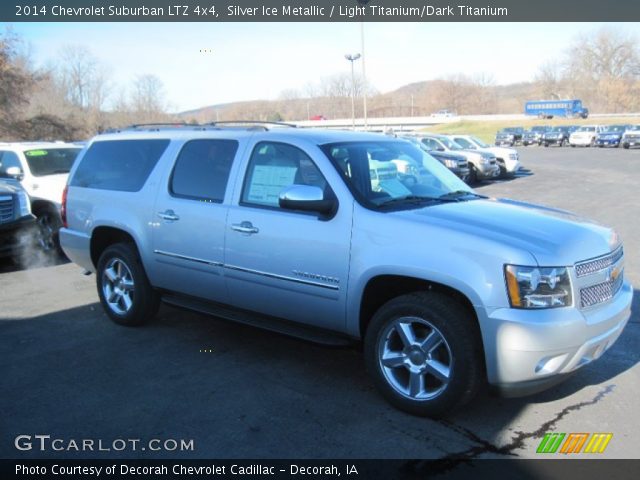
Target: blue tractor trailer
(556,108)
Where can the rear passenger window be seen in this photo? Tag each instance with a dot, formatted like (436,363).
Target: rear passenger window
(202,169)
(122,165)
(273,167)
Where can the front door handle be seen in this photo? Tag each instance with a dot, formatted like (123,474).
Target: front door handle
(169,215)
(244,227)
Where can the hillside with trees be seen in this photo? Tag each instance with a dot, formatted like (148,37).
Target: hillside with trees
(73,96)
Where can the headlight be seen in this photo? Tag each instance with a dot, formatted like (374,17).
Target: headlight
(450,163)
(24,204)
(537,287)
(513,156)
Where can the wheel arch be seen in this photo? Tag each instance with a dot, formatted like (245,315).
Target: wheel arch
(381,288)
(104,236)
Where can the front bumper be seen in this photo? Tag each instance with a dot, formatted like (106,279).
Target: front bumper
(460,172)
(554,141)
(529,350)
(607,142)
(486,172)
(14,236)
(580,142)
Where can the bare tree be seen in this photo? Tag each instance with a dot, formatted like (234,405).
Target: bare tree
(83,78)
(148,98)
(16,81)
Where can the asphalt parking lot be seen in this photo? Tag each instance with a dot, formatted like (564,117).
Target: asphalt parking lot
(237,392)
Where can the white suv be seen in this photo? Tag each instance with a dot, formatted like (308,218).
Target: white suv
(42,168)
(507,158)
(585,136)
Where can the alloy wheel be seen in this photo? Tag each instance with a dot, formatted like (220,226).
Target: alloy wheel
(415,358)
(118,286)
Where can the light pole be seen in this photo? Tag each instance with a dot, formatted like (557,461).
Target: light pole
(352,58)
(364,78)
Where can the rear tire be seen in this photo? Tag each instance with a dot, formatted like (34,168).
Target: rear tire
(123,287)
(424,353)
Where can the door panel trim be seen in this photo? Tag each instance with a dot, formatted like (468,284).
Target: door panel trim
(190,259)
(282,277)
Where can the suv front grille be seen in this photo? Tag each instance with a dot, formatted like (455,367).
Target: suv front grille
(6,209)
(592,266)
(601,292)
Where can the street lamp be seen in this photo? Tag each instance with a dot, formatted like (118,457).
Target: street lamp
(352,58)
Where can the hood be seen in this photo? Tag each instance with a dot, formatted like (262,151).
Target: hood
(9,185)
(553,237)
(448,155)
(499,152)
(47,187)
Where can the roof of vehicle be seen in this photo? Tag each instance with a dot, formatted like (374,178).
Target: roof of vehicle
(22,146)
(315,135)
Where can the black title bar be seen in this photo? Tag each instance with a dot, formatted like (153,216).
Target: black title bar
(319,10)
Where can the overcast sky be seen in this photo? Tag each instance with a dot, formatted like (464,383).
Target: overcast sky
(258,60)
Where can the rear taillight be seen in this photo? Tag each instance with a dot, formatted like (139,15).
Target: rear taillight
(63,207)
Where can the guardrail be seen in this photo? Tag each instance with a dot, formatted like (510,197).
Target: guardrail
(413,123)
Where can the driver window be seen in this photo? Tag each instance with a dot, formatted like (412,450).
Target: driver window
(274,166)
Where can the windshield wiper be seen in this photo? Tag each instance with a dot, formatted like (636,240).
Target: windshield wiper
(458,194)
(414,200)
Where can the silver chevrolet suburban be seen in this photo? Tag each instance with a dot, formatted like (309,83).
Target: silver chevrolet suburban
(319,234)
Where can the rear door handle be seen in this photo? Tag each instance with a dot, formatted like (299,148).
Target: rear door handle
(169,215)
(244,227)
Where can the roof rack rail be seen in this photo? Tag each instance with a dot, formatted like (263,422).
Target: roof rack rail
(256,122)
(163,124)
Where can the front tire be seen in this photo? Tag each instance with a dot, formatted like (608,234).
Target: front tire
(123,287)
(424,353)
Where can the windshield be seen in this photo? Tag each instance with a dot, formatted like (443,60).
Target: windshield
(616,128)
(586,129)
(558,129)
(464,143)
(479,142)
(50,161)
(394,173)
(539,129)
(450,144)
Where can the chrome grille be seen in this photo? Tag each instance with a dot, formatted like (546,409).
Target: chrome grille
(6,209)
(601,292)
(598,264)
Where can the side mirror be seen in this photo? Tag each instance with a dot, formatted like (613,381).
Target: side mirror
(15,172)
(307,198)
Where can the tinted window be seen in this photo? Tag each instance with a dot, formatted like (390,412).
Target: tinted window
(202,169)
(122,165)
(275,166)
(50,161)
(7,160)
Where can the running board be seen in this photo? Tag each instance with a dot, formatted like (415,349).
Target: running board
(272,324)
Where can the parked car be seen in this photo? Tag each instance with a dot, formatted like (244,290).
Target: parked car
(584,136)
(455,162)
(611,135)
(631,137)
(557,136)
(444,113)
(482,165)
(509,136)
(16,220)
(42,168)
(447,289)
(533,136)
(508,159)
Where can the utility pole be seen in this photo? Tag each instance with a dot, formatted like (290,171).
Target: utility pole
(364,77)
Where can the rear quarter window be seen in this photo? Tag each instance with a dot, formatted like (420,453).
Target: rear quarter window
(122,165)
